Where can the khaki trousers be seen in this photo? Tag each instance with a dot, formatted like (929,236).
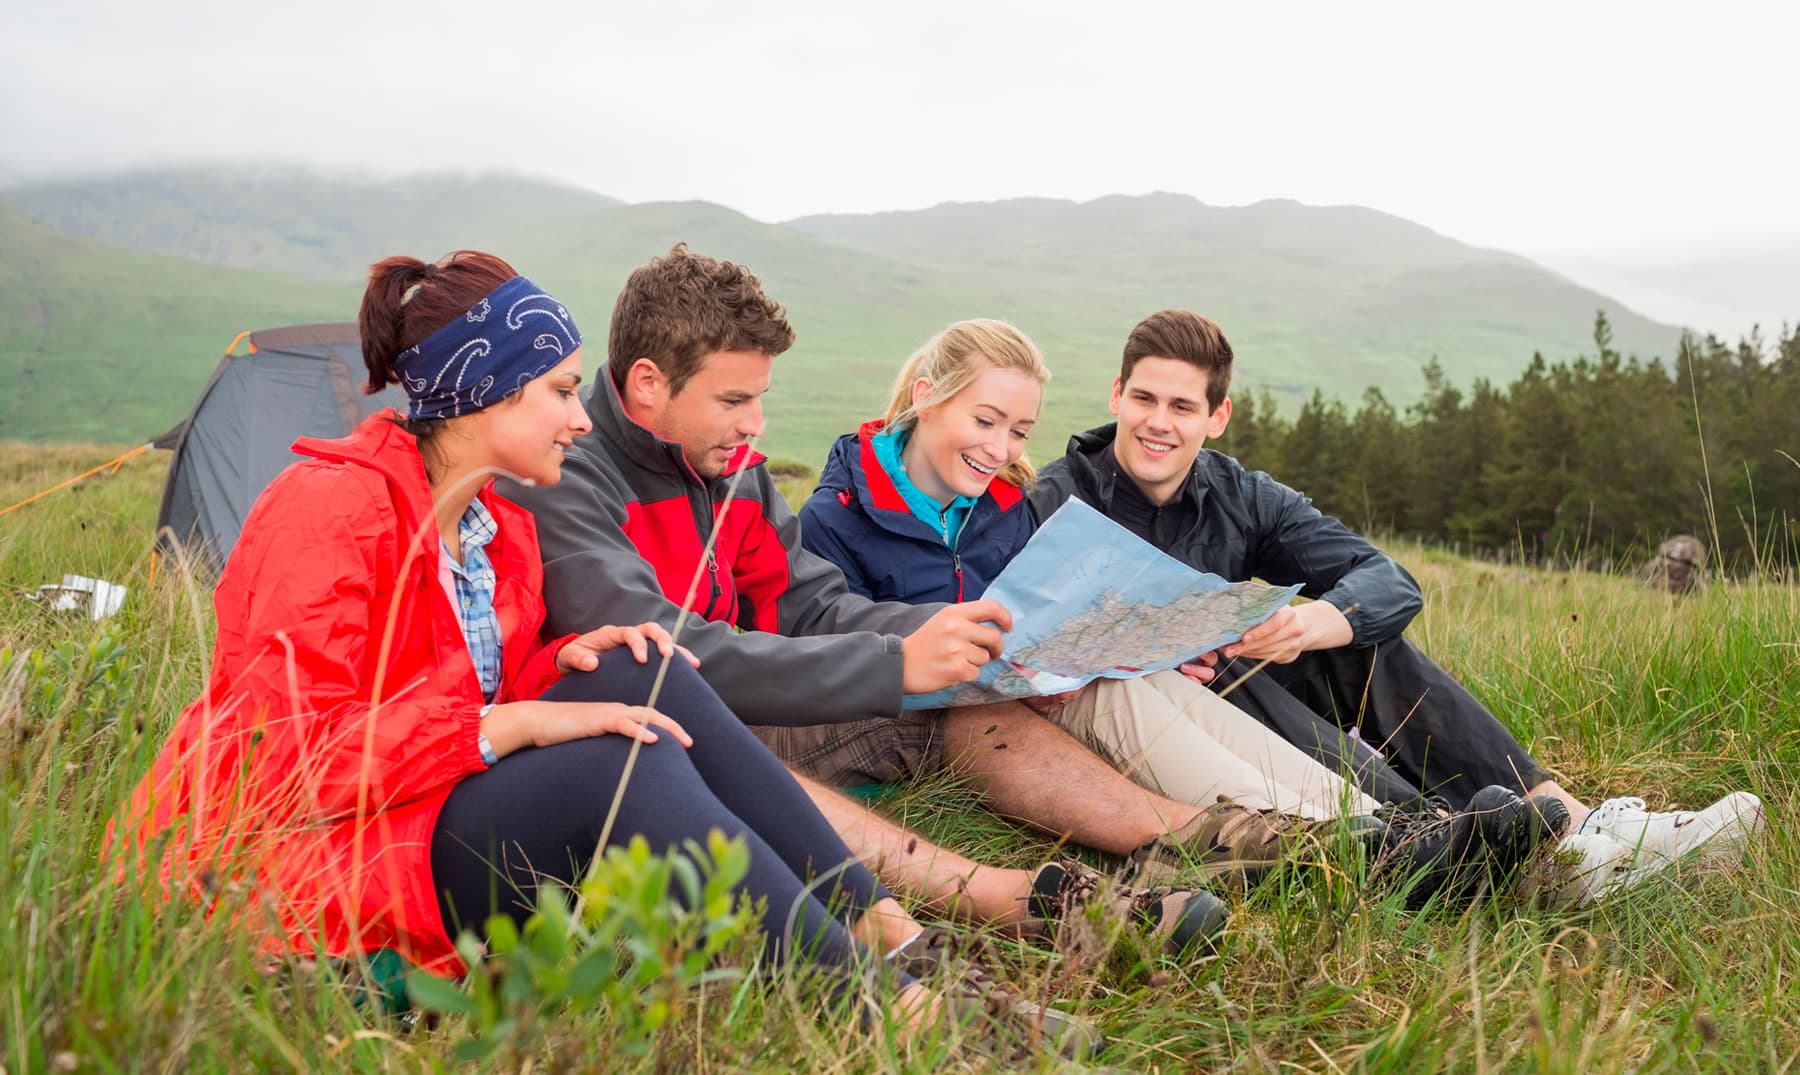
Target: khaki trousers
(1175,737)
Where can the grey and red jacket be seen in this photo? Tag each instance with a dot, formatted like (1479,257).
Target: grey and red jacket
(622,537)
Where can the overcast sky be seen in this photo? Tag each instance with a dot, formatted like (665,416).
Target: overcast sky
(1602,129)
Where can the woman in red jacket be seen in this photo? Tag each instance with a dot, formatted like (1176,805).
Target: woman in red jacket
(385,751)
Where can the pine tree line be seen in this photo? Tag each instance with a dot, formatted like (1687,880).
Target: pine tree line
(1589,462)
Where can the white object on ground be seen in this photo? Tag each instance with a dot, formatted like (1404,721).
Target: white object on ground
(78,593)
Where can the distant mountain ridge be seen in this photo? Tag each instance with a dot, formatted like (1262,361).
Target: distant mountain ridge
(297,222)
(1333,298)
(1309,295)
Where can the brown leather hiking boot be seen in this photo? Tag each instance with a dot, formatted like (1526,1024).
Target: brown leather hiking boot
(1226,843)
(1182,920)
(998,1019)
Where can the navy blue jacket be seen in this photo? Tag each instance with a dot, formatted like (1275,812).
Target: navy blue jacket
(1251,526)
(857,519)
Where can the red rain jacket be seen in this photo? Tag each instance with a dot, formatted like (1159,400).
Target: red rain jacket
(300,791)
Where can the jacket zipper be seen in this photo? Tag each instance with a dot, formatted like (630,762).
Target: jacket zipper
(955,554)
(712,553)
(712,570)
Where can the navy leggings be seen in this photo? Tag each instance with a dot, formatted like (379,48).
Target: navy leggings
(536,815)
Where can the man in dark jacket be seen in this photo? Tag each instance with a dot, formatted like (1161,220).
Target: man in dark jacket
(1334,665)
(663,507)
(1334,675)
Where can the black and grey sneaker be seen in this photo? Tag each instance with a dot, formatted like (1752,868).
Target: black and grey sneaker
(1183,920)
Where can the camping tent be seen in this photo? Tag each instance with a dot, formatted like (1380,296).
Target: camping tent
(300,381)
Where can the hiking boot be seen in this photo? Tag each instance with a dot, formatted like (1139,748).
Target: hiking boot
(1005,1025)
(1439,851)
(1426,846)
(1513,829)
(1226,842)
(1180,919)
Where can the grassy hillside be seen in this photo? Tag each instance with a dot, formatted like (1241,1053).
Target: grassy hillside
(1337,298)
(857,315)
(295,222)
(99,342)
(1617,690)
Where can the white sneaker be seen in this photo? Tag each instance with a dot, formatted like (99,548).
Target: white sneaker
(1718,833)
(1622,844)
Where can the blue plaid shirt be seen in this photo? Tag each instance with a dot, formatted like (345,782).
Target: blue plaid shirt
(474,595)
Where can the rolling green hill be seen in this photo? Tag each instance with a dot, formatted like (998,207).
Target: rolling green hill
(105,344)
(296,222)
(1337,298)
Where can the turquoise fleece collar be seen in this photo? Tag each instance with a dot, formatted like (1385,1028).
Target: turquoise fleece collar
(946,519)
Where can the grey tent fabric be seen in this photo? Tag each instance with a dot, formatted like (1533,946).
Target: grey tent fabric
(301,381)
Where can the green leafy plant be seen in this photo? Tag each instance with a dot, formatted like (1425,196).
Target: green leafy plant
(649,931)
(86,681)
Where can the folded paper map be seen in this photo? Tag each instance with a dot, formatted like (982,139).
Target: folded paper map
(1089,599)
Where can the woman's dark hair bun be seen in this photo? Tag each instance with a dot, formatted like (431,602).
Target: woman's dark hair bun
(408,300)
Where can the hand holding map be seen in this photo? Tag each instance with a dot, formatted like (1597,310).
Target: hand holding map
(1091,599)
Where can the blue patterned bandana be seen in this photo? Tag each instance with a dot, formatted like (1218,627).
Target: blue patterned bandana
(504,341)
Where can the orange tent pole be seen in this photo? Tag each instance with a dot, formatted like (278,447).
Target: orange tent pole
(114,465)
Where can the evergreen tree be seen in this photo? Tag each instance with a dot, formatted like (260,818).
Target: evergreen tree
(1595,460)
(1382,467)
(1318,453)
(1525,474)
(1442,460)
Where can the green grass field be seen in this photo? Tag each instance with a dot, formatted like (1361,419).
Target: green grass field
(1618,690)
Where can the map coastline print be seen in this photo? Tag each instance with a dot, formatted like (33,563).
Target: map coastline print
(1090,599)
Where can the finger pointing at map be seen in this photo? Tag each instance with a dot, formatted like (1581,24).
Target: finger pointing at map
(988,611)
(953,646)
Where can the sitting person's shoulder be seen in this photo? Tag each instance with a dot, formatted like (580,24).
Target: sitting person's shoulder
(836,487)
(1054,474)
(1216,468)
(1056,481)
(331,484)
(1220,472)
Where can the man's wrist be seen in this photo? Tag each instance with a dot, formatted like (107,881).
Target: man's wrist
(1328,626)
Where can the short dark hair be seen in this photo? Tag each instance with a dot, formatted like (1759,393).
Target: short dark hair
(1185,337)
(678,309)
